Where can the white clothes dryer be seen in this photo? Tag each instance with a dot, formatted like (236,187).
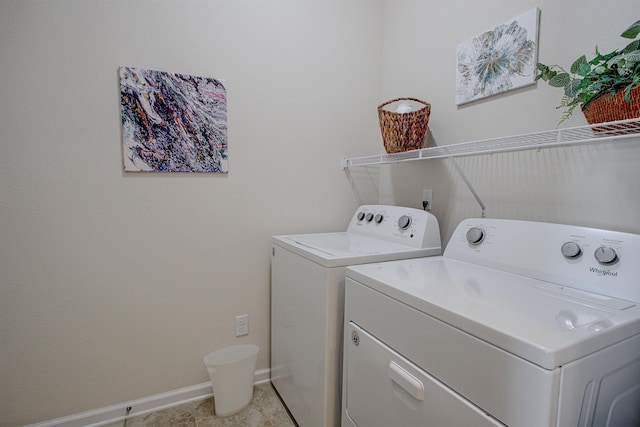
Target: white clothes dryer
(307,301)
(519,323)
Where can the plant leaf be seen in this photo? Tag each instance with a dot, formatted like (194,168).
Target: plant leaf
(560,80)
(634,45)
(540,66)
(600,69)
(578,62)
(632,31)
(571,89)
(567,114)
(633,56)
(615,60)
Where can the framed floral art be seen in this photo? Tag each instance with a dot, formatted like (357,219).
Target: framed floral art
(498,60)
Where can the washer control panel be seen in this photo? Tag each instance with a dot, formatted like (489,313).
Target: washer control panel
(407,226)
(589,259)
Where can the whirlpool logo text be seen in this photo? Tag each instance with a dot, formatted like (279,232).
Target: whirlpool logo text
(603,272)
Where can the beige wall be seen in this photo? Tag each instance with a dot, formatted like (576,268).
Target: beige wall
(595,185)
(113,285)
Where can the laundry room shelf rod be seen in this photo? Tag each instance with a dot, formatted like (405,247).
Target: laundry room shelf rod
(622,129)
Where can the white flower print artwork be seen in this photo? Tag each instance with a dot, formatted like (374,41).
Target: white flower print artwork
(498,60)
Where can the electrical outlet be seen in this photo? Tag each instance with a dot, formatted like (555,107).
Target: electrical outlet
(242,325)
(427,199)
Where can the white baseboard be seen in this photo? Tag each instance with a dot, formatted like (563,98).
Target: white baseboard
(145,405)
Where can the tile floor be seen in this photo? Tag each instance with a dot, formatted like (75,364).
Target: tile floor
(265,410)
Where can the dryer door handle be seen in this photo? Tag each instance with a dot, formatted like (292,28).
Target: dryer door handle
(404,379)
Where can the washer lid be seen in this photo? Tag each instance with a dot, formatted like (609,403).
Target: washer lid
(344,248)
(547,324)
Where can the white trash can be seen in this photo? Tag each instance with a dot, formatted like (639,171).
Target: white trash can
(232,371)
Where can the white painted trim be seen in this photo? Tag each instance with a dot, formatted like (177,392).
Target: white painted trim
(145,405)
(262,376)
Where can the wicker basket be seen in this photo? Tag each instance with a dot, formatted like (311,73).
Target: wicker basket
(404,131)
(610,109)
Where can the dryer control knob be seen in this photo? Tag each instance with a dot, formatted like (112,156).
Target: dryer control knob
(571,250)
(360,216)
(475,235)
(369,217)
(404,222)
(379,218)
(605,255)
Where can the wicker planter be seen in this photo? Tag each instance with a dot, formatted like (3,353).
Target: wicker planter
(610,109)
(404,131)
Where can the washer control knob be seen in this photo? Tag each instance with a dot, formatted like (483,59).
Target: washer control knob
(360,216)
(571,250)
(379,218)
(605,255)
(475,235)
(404,222)
(369,217)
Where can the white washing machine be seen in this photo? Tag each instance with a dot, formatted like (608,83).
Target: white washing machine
(517,324)
(307,301)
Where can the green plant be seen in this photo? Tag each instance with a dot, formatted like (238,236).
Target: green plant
(604,74)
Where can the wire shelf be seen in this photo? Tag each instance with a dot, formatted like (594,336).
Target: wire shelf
(553,138)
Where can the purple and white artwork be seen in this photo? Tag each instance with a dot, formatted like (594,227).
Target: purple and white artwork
(173,122)
(498,60)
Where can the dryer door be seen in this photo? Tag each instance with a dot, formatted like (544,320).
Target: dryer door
(383,389)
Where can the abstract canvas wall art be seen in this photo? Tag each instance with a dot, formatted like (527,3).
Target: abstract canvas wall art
(498,60)
(172,122)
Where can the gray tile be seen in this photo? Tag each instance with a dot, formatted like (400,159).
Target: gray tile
(265,410)
(179,416)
